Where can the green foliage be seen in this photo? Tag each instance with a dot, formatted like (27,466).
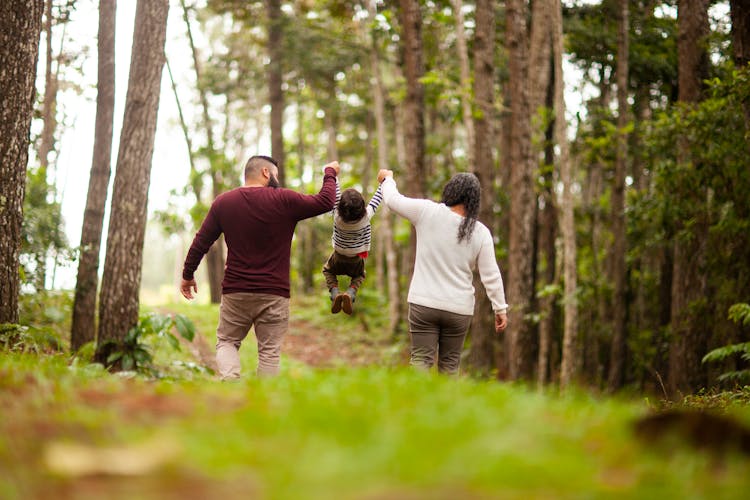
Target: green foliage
(28,339)
(132,354)
(43,231)
(740,314)
(44,320)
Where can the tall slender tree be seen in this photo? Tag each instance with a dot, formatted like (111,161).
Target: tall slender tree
(522,200)
(83,326)
(386,219)
(463,59)
(119,301)
(215,256)
(20,26)
(413,108)
(740,13)
(482,354)
(570,355)
(275,80)
(540,100)
(687,345)
(619,267)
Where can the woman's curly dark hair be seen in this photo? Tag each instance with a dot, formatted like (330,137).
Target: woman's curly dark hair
(351,205)
(464,189)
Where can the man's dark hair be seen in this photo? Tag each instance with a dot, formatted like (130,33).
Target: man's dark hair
(351,205)
(464,189)
(256,163)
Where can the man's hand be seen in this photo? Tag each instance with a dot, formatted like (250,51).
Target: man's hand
(334,165)
(501,321)
(187,287)
(383,173)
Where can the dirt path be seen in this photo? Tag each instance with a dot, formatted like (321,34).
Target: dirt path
(312,345)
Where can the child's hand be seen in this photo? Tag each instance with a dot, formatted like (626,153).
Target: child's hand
(383,173)
(334,165)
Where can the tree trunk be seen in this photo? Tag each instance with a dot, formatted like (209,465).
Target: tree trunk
(740,13)
(118,305)
(305,229)
(522,201)
(275,92)
(83,327)
(540,54)
(391,262)
(547,234)
(483,338)
(20,26)
(49,104)
(619,267)
(215,256)
(463,59)
(570,352)
(413,107)
(687,342)
(540,95)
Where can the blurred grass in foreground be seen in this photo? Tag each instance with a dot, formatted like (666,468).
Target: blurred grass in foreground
(345,433)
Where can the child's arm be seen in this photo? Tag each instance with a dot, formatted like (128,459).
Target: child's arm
(338,195)
(375,201)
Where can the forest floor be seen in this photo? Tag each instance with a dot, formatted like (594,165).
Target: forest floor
(346,418)
(316,338)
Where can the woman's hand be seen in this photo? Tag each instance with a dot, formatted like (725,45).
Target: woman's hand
(383,173)
(501,321)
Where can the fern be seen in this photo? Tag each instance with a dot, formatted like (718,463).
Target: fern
(740,314)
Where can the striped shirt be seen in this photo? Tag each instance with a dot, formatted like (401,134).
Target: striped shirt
(353,238)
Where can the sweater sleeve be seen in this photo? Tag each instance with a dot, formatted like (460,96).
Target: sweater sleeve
(375,201)
(304,206)
(338,194)
(490,275)
(409,208)
(209,232)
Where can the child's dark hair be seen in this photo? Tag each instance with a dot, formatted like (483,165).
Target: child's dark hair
(464,189)
(351,205)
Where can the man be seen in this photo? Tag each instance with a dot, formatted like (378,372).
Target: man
(258,221)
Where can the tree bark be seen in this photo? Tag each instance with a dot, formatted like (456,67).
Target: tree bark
(619,267)
(483,338)
(215,255)
(275,80)
(118,308)
(49,104)
(540,96)
(570,353)
(740,13)
(540,48)
(522,201)
(391,261)
(463,59)
(687,345)
(20,26)
(547,248)
(83,326)
(413,107)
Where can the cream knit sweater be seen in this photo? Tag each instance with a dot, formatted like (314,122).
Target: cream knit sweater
(443,269)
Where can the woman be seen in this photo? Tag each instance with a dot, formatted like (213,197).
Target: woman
(451,243)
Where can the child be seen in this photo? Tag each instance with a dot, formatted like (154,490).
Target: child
(351,243)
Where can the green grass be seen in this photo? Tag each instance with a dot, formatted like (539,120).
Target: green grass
(382,431)
(346,433)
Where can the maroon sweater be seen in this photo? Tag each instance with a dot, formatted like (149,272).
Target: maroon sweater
(258,223)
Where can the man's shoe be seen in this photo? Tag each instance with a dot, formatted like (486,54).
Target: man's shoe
(348,299)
